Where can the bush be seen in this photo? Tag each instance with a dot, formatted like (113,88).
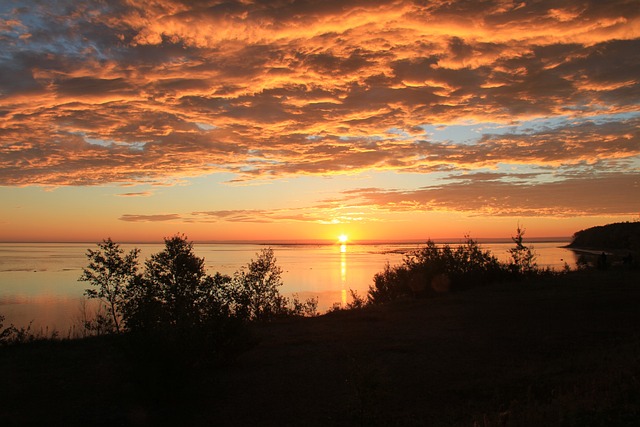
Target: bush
(14,335)
(390,284)
(431,270)
(308,308)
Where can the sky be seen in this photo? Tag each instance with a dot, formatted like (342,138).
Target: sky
(304,120)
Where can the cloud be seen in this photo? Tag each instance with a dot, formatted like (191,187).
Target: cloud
(159,90)
(304,214)
(484,194)
(150,218)
(136,194)
(309,214)
(527,194)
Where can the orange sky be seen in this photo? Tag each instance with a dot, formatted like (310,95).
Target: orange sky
(299,120)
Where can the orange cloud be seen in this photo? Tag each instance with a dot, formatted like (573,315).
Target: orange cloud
(136,194)
(150,218)
(501,195)
(156,90)
(495,194)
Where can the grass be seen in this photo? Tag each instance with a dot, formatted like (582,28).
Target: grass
(563,350)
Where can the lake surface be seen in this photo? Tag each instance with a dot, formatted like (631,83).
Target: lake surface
(39,281)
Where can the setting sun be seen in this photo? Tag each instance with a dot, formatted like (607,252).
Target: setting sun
(343,238)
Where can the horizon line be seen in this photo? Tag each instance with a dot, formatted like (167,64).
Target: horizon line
(302,242)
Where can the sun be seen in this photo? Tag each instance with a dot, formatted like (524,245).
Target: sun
(343,238)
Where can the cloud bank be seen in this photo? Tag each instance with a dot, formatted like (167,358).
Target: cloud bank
(96,92)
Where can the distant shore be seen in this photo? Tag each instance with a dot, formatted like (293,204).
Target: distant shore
(314,242)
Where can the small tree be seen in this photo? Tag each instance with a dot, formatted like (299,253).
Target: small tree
(523,258)
(255,292)
(434,269)
(110,271)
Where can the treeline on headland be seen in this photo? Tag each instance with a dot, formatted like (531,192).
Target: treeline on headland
(616,236)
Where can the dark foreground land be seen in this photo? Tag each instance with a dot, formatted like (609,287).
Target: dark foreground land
(556,351)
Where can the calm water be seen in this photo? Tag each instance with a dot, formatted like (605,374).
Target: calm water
(39,282)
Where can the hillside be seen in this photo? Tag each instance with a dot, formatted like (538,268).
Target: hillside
(562,350)
(617,236)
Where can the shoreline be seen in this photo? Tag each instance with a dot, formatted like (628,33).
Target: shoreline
(598,251)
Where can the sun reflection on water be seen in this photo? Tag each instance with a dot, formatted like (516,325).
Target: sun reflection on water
(343,274)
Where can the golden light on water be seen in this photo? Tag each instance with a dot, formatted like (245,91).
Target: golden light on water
(343,273)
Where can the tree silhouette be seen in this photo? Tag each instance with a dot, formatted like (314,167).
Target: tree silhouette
(175,293)
(523,258)
(110,271)
(255,291)
(175,290)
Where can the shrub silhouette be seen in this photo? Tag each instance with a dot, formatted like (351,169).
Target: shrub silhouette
(432,269)
(13,335)
(308,308)
(390,284)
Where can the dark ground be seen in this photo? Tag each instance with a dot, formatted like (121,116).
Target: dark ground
(556,351)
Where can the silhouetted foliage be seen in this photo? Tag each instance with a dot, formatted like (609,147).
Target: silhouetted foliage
(177,316)
(4,332)
(14,335)
(7,335)
(174,290)
(390,284)
(254,289)
(523,258)
(110,272)
(307,308)
(434,269)
(621,235)
(357,301)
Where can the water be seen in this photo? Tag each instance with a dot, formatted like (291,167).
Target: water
(39,282)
